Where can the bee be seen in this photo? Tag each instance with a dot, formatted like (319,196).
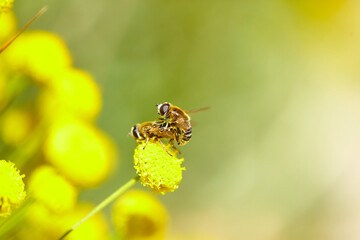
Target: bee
(174,117)
(150,131)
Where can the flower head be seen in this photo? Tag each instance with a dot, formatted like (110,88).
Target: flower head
(157,169)
(139,215)
(8,25)
(6,5)
(39,54)
(12,187)
(52,190)
(81,152)
(72,90)
(15,126)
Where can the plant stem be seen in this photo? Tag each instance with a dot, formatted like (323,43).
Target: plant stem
(30,145)
(104,203)
(37,15)
(15,87)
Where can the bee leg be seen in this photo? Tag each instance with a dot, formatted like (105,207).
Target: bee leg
(176,150)
(159,121)
(147,140)
(178,138)
(164,148)
(171,142)
(161,124)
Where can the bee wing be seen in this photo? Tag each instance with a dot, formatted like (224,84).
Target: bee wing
(198,110)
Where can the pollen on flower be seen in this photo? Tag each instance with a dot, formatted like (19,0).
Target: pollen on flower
(12,187)
(139,215)
(157,169)
(52,190)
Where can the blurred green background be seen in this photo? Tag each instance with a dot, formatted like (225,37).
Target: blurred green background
(277,155)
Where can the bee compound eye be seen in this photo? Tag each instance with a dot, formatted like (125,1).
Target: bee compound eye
(163,108)
(135,132)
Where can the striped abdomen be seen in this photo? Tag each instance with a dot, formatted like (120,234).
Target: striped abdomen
(183,137)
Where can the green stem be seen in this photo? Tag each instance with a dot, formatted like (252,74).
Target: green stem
(104,203)
(14,89)
(30,146)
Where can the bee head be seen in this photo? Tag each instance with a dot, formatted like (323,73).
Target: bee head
(163,108)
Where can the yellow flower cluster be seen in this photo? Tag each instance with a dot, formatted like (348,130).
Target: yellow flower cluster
(157,169)
(52,136)
(138,215)
(12,192)
(47,113)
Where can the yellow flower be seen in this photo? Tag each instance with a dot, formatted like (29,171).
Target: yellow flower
(72,90)
(8,26)
(52,190)
(43,224)
(39,54)
(12,186)
(137,215)
(80,152)
(6,5)
(157,169)
(15,126)
(37,224)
